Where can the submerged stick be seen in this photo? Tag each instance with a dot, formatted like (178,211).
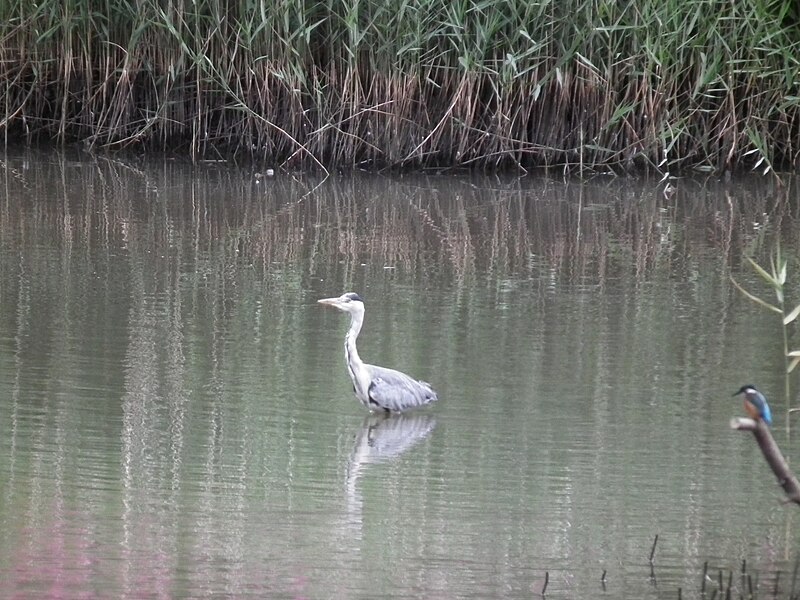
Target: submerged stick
(653,549)
(772,454)
(744,573)
(705,574)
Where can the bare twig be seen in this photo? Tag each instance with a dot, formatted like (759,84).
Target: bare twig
(772,454)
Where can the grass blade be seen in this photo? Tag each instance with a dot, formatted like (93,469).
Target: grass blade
(756,299)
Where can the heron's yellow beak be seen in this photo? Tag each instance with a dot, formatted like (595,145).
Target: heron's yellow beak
(329,301)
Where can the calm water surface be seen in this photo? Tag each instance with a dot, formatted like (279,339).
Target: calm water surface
(176,419)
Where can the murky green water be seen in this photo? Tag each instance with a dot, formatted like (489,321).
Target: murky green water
(176,419)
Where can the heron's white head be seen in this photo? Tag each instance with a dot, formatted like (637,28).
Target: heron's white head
(349,302)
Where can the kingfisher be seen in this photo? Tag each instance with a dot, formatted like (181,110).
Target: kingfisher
(755,404)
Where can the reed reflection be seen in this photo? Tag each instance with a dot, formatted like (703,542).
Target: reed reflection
(216,216)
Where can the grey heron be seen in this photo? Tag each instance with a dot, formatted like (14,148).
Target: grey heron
(376,387)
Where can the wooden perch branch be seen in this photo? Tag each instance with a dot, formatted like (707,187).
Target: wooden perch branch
(772,454)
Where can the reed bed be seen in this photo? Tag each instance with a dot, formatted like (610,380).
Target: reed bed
(585,84)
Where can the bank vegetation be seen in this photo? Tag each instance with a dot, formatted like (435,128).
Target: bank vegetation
(603,85)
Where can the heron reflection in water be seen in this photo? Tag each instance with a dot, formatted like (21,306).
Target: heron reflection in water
(376,387)
(382,439)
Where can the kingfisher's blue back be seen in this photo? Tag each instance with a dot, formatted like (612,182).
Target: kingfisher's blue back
(763,408)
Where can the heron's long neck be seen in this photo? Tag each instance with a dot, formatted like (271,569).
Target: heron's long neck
(350,351)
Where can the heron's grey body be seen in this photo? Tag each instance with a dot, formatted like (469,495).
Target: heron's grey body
(376,387)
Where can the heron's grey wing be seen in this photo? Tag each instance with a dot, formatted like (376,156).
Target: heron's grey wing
(396,391)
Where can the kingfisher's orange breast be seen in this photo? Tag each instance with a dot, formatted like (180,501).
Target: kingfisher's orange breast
(751,410)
